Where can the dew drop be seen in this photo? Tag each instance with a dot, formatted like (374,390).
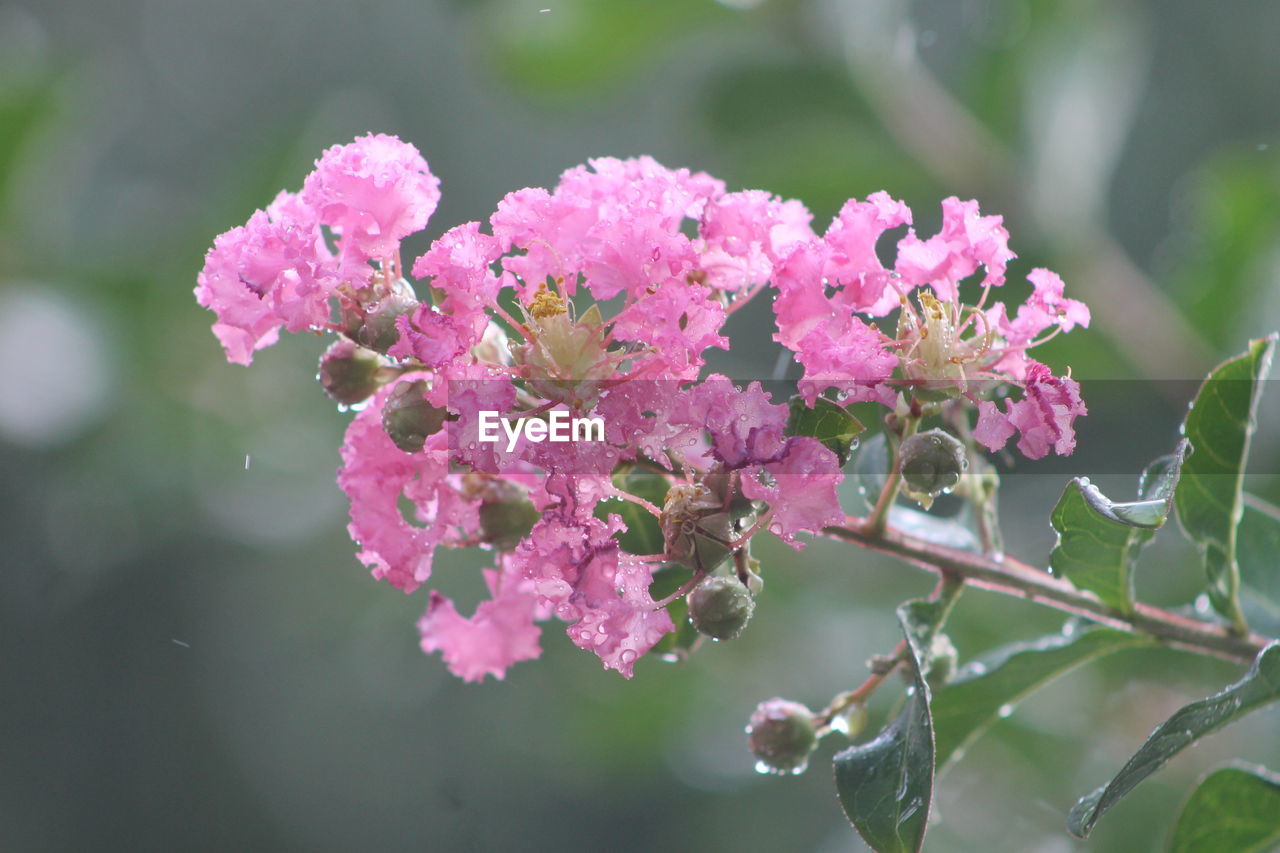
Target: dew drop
(1005,711)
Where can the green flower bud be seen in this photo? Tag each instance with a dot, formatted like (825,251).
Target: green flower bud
(408,418)
(506,515)
(377,329)
(782,735)
(348,373)
(931,462)
(720,607)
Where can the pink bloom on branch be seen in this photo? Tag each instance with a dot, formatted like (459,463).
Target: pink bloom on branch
(616,223)
(800,488)
(500,633)
(1045,416)
(580,574)
(967,240)
(373,192)
(836,348)
(264,275)
(375,475)
(852,262)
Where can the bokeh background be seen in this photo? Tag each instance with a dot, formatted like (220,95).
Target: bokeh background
(190,656)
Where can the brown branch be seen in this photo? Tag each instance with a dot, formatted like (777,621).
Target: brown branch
(1019,579)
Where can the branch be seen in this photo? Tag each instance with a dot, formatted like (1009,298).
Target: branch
(1019,579)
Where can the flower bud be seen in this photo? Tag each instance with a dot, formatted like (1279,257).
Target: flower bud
(782,735)
(506,514)
(349,373)
(377,328)
(408,418)
(720,607)
(931,462)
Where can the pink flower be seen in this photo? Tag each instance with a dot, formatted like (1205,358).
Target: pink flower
(836,348)
(373,192)
(852,262)
(745,234)
(500,633)
(744,426)
(375,475)
(459,265)
(265,275)
(582,577)
(617,223)
(967,240)
(1045,416)
(801,488)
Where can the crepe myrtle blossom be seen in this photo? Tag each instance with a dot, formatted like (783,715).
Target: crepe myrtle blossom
(597,301)
(942,347)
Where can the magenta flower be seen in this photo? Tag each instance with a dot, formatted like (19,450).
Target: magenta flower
(943,347)
(599,298)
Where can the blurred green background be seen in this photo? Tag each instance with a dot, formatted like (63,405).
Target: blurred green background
(190,656)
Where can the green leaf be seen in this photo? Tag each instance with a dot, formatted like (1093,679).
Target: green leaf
(1099,540)
(1234,810)
(986,690)
(827,421)
(643,534)
(948,532)
(1258,553)
(1260,686)
(886,785)
(675,645)
(1208,498)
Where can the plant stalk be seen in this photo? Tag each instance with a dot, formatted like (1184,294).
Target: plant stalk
(1013,577)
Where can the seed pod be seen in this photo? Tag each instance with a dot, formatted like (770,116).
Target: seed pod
(782,735)
(408,418)
(374,326)
(931,462)
(506,513)
(720,607)
(349,373)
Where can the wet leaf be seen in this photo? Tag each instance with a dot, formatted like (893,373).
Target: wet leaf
(1208,498)
(1260,686)
(986,688)
(827,421)
(1099,540)
(675,645)
(643,534)
(1257,550)
(1235,809)
(886,785)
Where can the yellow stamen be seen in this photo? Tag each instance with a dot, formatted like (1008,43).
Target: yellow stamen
(546,304)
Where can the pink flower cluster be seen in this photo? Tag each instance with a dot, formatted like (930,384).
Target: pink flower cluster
(278,270)
(943,347)
(601,296)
